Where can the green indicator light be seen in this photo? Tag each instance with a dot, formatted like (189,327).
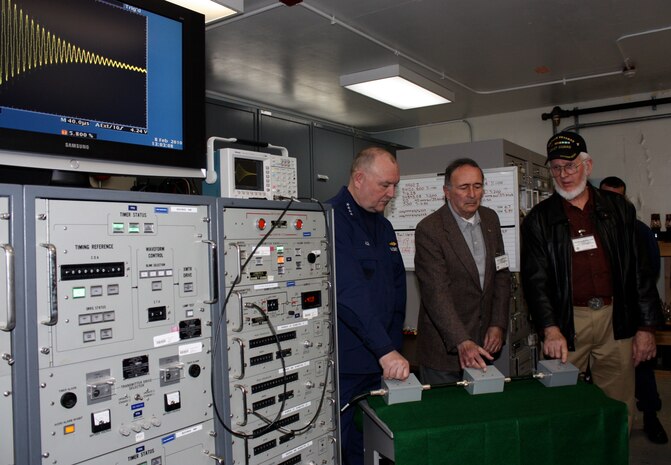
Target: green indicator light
(117,227)
(78,292)
(280,249)
(134,228)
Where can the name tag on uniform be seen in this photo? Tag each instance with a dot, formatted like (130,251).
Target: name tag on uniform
(501,262)
(582,243)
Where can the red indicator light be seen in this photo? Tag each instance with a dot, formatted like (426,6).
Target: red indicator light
(261,224)
(298,224)
(311,299)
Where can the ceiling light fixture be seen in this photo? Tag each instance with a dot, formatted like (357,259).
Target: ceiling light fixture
(212,9)
(397,86)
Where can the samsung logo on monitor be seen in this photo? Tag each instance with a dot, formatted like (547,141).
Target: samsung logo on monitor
(70,145)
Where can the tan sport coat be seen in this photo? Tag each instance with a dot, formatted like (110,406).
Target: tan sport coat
(453,306)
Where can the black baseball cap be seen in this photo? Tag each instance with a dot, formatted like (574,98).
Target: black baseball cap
(565,146)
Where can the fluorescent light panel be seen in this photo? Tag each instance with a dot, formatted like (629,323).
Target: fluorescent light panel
(213,10)
(397,86)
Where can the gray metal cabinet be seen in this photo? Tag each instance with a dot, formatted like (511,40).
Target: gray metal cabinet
(332,158)
(12,361)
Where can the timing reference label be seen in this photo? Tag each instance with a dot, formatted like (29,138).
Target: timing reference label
(296,408)
(263,251)
(298,366)
(266,286)
(297,449)
(310,314)
(292,325)
(189,349)
(183,209)
(185,432)
(165,339)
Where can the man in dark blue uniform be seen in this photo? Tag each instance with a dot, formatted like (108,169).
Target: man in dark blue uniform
(370,284)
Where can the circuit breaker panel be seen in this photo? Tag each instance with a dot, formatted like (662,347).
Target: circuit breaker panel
(280,358)
(123,294)
(8,307)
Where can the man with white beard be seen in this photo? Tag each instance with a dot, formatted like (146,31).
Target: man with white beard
(586,277)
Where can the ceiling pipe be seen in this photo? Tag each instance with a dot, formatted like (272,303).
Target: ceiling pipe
(438,123)
(612,122)
(557,112)
(628,64)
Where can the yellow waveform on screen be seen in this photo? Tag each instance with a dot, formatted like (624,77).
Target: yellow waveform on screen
(241,173)
(25,45)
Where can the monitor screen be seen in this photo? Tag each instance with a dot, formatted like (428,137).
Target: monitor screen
(248,174)
(89,81)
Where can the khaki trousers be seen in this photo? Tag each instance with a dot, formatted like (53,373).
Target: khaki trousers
(610,361)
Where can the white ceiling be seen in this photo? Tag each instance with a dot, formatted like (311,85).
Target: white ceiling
(497,56)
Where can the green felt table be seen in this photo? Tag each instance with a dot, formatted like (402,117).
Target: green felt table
(528,423)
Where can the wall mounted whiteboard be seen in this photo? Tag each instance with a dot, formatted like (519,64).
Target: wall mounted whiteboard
(420,195)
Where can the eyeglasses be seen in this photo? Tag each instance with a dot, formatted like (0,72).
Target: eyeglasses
(570,168)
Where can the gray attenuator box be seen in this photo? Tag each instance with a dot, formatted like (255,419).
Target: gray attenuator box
(409,390)
(555,373)
(483,382)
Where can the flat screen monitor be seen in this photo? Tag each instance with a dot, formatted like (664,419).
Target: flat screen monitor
(102,86)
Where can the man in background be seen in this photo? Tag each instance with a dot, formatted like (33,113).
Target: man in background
(371,289)
(647,396)
(464,280)
(586,277)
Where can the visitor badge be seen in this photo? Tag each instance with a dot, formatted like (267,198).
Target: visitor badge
(501,262)
(582,243)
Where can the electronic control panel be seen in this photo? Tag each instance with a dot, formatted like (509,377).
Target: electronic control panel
(123,297)
(280,334)
(188,446)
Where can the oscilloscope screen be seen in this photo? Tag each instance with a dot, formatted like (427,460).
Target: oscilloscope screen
(248,174)
(94,69)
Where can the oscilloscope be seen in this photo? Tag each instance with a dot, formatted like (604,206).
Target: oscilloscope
(254,175)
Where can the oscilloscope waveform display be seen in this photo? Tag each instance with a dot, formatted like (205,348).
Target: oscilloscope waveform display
(75,58)
(247,173)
